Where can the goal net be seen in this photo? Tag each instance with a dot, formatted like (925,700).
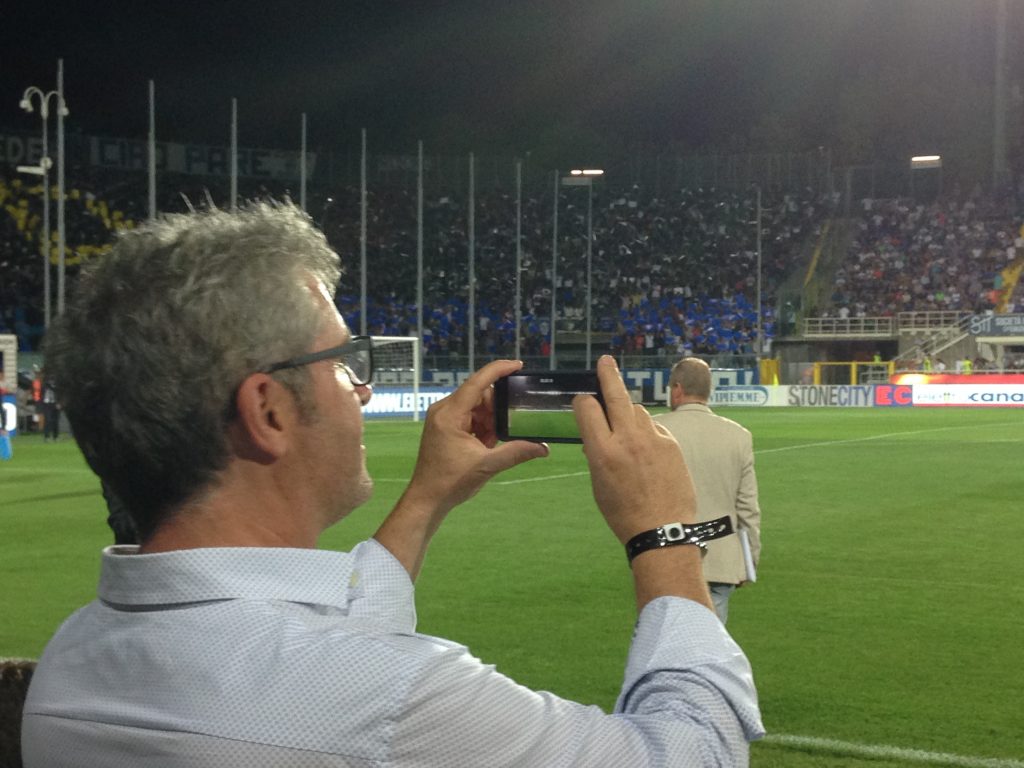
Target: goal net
(396,378)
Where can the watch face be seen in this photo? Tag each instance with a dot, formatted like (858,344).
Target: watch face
(674,531)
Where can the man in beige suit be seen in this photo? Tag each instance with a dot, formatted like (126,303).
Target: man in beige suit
(720,455)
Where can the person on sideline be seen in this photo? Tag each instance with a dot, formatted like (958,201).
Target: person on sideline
(720,455)
(51,412)
(214,387)
(8,422)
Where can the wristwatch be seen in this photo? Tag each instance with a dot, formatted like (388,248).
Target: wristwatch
(673,534)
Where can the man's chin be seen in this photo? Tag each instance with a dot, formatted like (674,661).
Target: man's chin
(361,494)
(365,488)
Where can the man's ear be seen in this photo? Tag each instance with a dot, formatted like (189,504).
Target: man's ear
(265,414)
(675,394)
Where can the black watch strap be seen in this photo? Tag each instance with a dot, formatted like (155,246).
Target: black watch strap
(673,534)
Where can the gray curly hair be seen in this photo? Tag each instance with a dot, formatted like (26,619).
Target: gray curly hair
(161,332)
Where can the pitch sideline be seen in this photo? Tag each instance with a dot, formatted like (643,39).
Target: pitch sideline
(853,749)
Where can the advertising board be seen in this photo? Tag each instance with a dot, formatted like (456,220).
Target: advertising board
(894,395)
(754,395)
(799,396)
(401,401)
(974,379)
(967,395)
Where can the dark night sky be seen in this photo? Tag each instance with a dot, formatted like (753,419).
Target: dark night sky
(480,73)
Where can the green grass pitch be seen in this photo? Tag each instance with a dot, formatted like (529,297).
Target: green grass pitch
(889,608)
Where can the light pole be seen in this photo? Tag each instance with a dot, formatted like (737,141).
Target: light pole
(553,362)
(760,326)
(62,238)
(585,177)
(32,93)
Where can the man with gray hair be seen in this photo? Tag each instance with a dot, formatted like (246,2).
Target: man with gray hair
(720,455)
(215,389)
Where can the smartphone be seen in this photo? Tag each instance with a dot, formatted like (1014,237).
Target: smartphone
(537,405)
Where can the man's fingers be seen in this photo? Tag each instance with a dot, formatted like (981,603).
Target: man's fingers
(590,418)
(472,390)
(513,453)
(613,390)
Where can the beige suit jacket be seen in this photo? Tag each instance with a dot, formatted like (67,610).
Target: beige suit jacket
(720,456)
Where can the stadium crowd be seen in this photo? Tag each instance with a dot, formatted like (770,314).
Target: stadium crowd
(946,256)
(671,274)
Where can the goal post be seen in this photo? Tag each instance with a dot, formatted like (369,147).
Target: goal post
(397,362)
(9,359)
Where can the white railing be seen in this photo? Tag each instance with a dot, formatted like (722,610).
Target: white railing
(859,327)
(910,322)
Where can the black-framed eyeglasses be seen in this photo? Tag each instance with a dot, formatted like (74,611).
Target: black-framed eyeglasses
(356,355)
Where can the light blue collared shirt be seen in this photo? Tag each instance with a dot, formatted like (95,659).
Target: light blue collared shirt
(286,657)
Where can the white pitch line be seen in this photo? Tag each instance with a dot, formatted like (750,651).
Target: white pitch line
(882,437)
(538,479)
(496,482)
(776,450)
(893,753)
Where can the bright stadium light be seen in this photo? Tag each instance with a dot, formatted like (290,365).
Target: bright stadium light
(42,169)
(929,168)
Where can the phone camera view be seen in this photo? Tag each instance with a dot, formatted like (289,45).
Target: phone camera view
(538,405)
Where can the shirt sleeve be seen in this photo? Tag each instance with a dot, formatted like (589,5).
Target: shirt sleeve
(380,589)
(688,699)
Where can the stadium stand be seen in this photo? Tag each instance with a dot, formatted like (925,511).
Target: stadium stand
(911,257)
(672,273)
(676,272)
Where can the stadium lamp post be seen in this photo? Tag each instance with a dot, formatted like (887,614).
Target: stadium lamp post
(923,162)
(760,320)
(43,169)
(584,177)
(758,324)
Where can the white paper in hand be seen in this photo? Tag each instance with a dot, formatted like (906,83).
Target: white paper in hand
(748,558)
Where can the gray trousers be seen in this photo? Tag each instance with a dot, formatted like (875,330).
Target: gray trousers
(720,594)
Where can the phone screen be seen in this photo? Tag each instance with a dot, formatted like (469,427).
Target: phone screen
(537,405)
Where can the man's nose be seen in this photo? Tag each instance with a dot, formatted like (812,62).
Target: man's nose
(365,393)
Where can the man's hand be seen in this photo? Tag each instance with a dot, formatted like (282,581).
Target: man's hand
(637,470)
(640,482)
(459,453)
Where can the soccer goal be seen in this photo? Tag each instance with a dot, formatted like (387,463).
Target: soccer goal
(9,359)
(396,378)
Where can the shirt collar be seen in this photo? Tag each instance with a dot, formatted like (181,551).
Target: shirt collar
(694,407)
(308,576)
